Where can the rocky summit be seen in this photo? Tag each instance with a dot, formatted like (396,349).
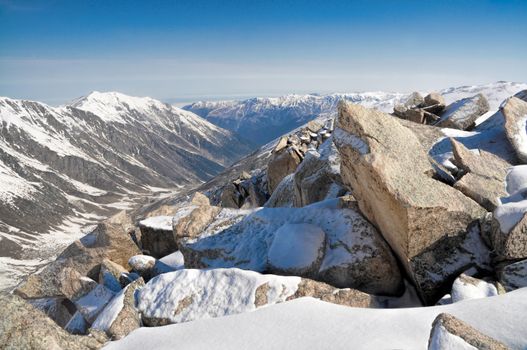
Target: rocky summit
(394,221)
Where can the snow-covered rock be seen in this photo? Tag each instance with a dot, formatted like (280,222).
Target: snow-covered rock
(466,287)
(508,237)
(297,249)
(311,324)
(176,260)
(450,333)
(356,256)
(463,114)
(91,304)
(188,295)
(120,316)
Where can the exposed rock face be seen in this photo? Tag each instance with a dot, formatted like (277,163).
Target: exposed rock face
(434,99)
(482,175)
(107,241)
(190,222)
(356,256)
(120,317)
(157,237)
(330,294)
(450,333)
(188,295)
(59,310)
(24,327)
(462,114)
(282,164)
(512,244)
(433,228)
(515,114)
(466,287)
(514,276)
(318,176)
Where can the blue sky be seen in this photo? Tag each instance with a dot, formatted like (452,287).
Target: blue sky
(54,51)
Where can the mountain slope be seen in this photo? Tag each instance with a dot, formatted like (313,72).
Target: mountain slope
(61,168)
(264,119)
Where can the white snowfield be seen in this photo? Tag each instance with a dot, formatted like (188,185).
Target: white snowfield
(308,323)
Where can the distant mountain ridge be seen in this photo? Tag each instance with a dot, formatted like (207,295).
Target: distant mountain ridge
(62,168)
(264,119)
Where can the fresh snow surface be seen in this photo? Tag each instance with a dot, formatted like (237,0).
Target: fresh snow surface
(463,289)
(94,302)
(308,323)
(110,312)
(209,293)
(77,324)
(163,223)
(444,340)
(296,246)
(175,260)
(513,207)
(521,136)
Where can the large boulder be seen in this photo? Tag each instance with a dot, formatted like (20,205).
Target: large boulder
(120,316)
(355,256)
(106,241)
(514,111)
(188,295)
(111,275)
(318,176)
(450,333)
(24,327)
(514,276)
(482,175)
(157,237)
(433,228)
(282,163)
(462,114)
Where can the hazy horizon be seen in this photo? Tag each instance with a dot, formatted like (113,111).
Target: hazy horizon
(177,51)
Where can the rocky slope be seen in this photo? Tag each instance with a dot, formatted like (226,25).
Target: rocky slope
(62,168)
(367,209)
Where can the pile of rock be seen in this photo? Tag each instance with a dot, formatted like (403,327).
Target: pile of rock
(432,110)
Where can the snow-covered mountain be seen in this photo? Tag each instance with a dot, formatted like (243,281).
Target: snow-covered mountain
(264,119)
(65,167)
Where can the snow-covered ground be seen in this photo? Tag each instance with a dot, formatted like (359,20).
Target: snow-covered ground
(308,323)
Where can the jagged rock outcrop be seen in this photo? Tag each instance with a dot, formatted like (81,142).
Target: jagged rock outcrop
(107,241)
(356,256)
(112,275)
(462,114)
(514,111)
(450,333)
(420,110)
(188,295)
(283,163)
(284,194)
(24,327)
(433,228)
(482,175)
